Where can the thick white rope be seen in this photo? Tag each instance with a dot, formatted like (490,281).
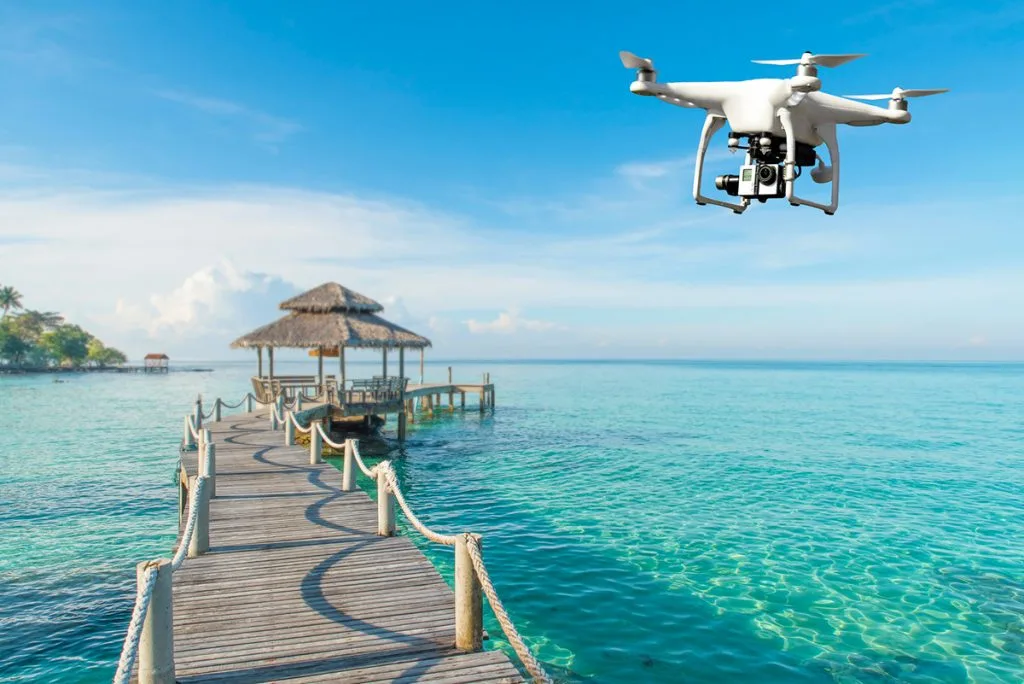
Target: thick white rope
(277,415)
(295,422)
(192,427)
(385,469)
(130,649)
(369,472)
(531,663)
(190,524)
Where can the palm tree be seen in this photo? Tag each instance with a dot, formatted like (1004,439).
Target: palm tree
(9,299)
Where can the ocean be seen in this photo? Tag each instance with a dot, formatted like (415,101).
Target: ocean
(642,521)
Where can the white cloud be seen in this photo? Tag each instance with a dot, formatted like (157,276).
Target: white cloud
(197,268)
(509,322)
(265,128)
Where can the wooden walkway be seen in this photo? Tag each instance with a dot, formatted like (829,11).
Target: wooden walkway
(298,587)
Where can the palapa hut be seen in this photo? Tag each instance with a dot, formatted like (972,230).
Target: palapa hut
(327,320)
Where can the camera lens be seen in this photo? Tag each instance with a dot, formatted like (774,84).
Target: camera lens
(731,184)
(766,174)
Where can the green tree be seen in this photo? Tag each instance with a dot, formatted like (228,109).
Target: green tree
(67,344)
(101,355)
(9,299)
(13,347)
(32,324)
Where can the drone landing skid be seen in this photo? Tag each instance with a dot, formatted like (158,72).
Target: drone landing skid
(712,124)
(828,135)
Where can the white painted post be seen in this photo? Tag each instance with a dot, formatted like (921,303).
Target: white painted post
(469,623)
(199,412)
(216,410)
(190,441)
(289,430)
(315,444)
(210,471)
(385,508)
(156,643)
(248,402)
(348,473)
(200,542)
(201,449)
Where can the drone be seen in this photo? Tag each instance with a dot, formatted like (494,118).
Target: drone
(783,122)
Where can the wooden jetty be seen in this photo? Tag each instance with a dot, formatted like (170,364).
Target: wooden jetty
(286,571)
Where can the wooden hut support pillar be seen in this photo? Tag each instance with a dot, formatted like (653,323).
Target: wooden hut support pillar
(259,362)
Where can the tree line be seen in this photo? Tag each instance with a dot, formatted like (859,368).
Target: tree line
(42,339)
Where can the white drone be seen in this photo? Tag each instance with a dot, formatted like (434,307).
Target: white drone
(784,120)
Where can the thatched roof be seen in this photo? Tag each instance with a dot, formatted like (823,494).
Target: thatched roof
(350,329)
(331,297)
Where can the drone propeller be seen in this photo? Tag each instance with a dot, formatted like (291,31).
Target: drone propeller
(631,61)
(900,93)
(808,59)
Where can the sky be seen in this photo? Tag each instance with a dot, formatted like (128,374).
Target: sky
(169,172)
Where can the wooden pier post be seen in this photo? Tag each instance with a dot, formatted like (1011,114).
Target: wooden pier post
(462,400)
(451,391)
(469,622)
(200,542)
(348,473)
(198,415)
(216,410)
(298,401)
(385,508)
(248,402)
(156,642)
(402,420)
(315,444)
(289,430)
(210,470)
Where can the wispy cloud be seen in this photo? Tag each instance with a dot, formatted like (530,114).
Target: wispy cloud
(509,322)
(265,128)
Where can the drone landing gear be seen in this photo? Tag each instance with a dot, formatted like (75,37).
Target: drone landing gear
(828,134)
(712,124)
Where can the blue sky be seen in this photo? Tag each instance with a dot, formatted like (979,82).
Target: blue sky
(486,174)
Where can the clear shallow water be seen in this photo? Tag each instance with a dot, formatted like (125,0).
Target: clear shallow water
(698,522)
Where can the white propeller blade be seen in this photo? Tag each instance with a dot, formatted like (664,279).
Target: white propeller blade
(900,93)
(631,61)
(812,60)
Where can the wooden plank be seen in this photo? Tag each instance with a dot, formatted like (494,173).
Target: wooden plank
(297,585)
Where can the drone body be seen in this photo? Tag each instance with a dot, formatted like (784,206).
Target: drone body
(783,120)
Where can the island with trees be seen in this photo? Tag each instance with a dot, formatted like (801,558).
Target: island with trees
(41,341)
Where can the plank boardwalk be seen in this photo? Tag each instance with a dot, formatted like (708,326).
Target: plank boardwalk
(298,587)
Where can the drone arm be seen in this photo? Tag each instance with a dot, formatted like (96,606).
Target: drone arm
(828,134)
(712,124)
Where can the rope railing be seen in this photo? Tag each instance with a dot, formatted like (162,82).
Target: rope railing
(295,422)
(147,584)
(130,649)
(385,470)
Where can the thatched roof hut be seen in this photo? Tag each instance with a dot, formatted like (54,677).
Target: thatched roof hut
(328,316)
(331,317)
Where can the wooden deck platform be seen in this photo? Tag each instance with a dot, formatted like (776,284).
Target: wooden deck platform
(298,587)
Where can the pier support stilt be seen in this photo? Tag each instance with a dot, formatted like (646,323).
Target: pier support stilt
(402,418)
(156,643)
(469,622)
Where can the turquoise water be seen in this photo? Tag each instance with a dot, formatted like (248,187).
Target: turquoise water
(660,522)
